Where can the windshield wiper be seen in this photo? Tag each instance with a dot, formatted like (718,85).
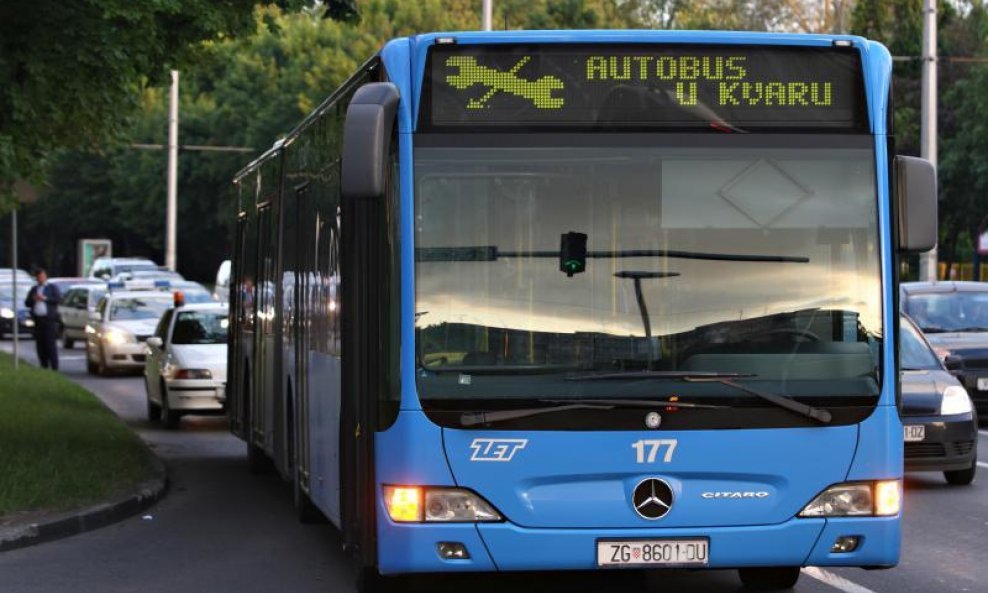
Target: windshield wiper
(657,375)
(562,405)
(823,416)
(817,414)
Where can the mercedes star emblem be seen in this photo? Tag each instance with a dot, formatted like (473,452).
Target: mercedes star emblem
(652,498)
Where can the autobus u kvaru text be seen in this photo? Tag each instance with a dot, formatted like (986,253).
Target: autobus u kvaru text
(549,301)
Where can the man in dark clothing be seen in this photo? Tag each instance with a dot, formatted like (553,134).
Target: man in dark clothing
(43,300)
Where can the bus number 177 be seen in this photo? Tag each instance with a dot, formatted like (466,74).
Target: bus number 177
(646,450)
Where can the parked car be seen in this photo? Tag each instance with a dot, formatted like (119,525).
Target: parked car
(954,318)
(221,290)
(14,308)
(161,274)
(117,330)
(940,426)
(105,268)
(186,363)
(78,303)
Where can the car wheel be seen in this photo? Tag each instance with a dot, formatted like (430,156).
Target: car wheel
(769,579)
(169,417)
(154,410)
(101,369)
(91,367)
(962,477)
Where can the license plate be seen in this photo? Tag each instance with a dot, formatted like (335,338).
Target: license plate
(914,433)
(653,552)
(982,383)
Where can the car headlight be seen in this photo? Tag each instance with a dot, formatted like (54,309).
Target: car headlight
(416,504)
(7,313)
(193,374)
(857,499)
(116,336)
(955,401)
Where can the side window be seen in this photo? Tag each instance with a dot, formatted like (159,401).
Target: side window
(162,330)
(101,308)
(69,298)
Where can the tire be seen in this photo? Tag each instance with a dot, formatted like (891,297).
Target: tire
(101,369)
(780,578)
(962,477)
(169,417)
(91,367)
(154,410)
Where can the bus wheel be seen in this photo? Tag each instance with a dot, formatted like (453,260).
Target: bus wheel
(769,579)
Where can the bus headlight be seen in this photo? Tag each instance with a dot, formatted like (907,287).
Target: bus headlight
(415,504)
(858,499)
(955,401)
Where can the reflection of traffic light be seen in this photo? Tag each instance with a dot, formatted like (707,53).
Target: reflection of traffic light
(573,253)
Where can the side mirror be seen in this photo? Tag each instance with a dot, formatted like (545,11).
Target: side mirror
(155,342)
(916,203)
(95,317)
(367,133)
(952,362)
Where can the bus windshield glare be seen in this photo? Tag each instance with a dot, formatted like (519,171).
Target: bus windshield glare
(751,255)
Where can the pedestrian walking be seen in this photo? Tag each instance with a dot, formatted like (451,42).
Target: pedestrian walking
(42,300)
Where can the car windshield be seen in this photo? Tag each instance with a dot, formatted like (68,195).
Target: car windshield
(135,267)
(200,327)
(949,311)
(142,307)
(22,290)
(914,353)
(544,259)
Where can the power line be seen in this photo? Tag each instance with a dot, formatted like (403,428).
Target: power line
(196,147)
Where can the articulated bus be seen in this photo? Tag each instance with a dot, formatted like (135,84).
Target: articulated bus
(583,300)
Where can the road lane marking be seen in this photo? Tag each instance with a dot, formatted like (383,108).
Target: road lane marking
(984,432)
(835,581)
(983,464)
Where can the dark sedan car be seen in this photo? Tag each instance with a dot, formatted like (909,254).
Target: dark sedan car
(954,318)
(939,423)
(11,308)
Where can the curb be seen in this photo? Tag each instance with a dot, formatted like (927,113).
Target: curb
(85,519)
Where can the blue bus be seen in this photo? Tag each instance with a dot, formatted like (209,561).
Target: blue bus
(585,300)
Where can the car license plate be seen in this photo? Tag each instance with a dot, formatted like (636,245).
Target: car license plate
(914,433)
(982,383)
(653,552)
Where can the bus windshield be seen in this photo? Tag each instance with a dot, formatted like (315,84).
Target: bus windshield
(753,255)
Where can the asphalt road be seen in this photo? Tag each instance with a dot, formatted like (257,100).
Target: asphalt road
(221,529)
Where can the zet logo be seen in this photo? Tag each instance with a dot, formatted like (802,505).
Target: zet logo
(496,449)
(470,73)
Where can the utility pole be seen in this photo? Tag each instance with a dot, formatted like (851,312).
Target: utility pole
(928,268)
(15,302)
(171,214)
(488,14)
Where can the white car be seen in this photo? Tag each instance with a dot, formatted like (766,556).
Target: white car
(105,268)
(186,363)
(117,330)
(78,303)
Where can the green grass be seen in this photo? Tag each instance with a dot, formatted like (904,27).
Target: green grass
(59,446)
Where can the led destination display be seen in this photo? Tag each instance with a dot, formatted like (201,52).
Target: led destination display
(727,88)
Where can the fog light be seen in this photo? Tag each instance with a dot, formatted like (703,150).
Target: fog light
(845,544)
(453,551)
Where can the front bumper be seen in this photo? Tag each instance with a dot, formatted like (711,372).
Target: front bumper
(25,327)
(950,443)
(196,394)
(405,548)
(131,355)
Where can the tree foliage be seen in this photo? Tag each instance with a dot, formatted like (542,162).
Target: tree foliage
(252,89)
